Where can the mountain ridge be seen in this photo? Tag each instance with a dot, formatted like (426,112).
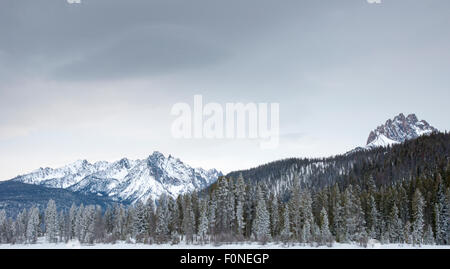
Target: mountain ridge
(125,180)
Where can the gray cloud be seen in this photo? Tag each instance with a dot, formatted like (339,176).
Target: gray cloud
(119,38)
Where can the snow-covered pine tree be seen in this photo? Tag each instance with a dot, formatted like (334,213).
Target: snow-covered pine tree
(222,203)
(79,223)
(295,208)
(88,228)
(441,212)
(325,233)
(33,225)
(403,203)
(140,222)
(340,220)
(418,205)
(261,223)
(212,208)
(119,223)
(428,237)
(373,222)
(231,209)
(72,220)
(307,230)
(195,210)
(286,231)
(203,222)
(51,222)
(21,226)
(350,218)
(61,226)
(3,226)
(354,215)
(175,217)
(274,216)
(407,233)
(162,220)
(240,201)
(99,225)
(395,226)
(151,217)
(249,210)
(385,236)
(188,219)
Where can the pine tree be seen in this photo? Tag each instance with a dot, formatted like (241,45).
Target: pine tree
(407,233)
(240,200)
(204,222)
(349,217)
(212,214)
(175,219)
(307,230)
(151,217)
(195,211)
(162,220)
(428,236)
(372,224)
(188,219)
(222,206)
(340,222)
(395,226)
(140,222)
(61,226)
(326,236)
(51,222)
(354,216)
(418,205)
(274,217)
(295,211)
(88,229)
(79,223)
(286,231)
(21,226)
(261,224)
(33,226)
(3,226)
(72,220)
(109,220)
(119,222)
(442,217)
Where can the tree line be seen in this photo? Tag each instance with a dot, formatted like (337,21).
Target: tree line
(234,210)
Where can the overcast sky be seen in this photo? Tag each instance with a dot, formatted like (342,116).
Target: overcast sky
(97,80)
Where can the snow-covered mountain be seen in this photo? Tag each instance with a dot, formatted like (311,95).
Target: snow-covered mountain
(399,130)
(125,180)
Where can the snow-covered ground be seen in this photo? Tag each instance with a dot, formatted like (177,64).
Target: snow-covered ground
(122,245)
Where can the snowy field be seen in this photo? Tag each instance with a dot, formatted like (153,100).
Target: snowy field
(122,245)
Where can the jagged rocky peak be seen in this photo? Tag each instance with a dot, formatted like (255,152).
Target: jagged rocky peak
(399,129)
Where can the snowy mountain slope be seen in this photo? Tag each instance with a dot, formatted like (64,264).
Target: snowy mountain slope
(125,180)
(381,141)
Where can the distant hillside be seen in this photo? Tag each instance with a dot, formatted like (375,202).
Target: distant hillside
(420,157)
(14,196)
